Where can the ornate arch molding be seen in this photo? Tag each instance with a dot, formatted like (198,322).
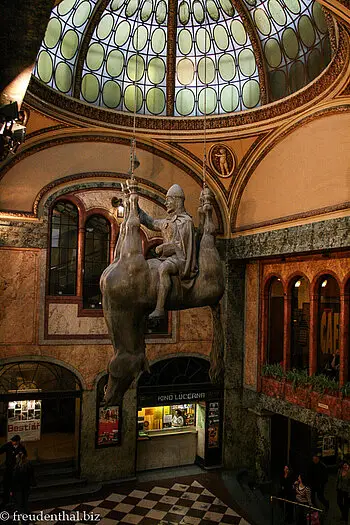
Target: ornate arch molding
(266,145)
(45,359)
(125,141)
(60,187)
(329,83)
(148,189)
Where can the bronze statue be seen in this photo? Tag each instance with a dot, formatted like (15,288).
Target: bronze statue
(133,287)
(178,251)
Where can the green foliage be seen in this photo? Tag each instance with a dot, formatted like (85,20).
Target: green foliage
(318,383)
(345,390)
(321,383)
(298,377)
(274,370)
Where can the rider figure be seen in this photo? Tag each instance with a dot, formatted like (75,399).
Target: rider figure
(178,251)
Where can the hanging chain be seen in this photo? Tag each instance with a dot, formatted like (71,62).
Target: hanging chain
(133,140)
(205,113)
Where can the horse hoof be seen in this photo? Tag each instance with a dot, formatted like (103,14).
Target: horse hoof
(157,314)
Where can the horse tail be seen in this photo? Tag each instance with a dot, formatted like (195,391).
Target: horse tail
(216,371)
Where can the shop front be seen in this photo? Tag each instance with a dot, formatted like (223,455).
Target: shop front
(179,416)
(41,402)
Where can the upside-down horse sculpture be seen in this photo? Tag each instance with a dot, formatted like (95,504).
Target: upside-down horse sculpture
(134,288)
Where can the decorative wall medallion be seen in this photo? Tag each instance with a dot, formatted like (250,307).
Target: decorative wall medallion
(222,160)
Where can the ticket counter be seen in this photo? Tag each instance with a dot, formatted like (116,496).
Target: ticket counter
(180,433)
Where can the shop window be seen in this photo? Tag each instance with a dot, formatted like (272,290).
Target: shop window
(275,322)
(96,259)
(300,323)
(63,249)
(328,326)
(41,402)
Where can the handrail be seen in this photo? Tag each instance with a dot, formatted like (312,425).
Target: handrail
(295,503)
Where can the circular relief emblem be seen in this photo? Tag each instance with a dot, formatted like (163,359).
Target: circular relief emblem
(222,160)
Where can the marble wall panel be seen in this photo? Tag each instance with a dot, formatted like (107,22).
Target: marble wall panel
(251,332)
(322,235)
(196,324)
(23,234)
(63,320)
(18,290)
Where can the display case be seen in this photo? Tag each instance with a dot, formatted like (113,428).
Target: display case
(163,417)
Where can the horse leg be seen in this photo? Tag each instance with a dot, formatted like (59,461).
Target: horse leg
(129,358)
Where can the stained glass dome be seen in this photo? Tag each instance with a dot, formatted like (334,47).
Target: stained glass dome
(183,57)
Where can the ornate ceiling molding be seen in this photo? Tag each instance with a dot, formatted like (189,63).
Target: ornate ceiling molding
(263,147)
(184,163)
(252,121)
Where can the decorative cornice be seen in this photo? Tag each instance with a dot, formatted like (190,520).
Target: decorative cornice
(266,145)
(49,129)
(157,194)
(44,98)
(296,216)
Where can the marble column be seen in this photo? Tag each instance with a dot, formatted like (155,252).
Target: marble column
(263,446)
(110,463)
(239,423)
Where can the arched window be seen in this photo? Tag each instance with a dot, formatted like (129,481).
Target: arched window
(300,323)
(275,322)
(63,249)
(96,259)
(328,324)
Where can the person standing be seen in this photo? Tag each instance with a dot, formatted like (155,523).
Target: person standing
(11,449)
(343,490)
(178,420)
(318,477)
(22,480)
(287,491)
(302,496)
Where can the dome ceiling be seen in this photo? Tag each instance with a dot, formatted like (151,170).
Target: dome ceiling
(182,57)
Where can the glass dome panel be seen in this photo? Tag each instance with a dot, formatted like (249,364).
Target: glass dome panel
(214,54)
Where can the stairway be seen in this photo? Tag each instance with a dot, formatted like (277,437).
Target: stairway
(58,480)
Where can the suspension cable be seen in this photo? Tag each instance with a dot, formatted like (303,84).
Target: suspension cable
(133,140)
(205,112)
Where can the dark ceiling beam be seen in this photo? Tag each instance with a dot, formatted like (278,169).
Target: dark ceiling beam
(22,30)
(253,34)
(84,45)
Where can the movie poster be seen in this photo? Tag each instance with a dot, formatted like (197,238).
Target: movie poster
(108,427)
(24,418)
(214,425)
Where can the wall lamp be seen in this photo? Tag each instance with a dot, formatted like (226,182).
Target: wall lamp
(12,129)
(118,204)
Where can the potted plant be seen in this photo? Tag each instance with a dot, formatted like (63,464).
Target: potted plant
(272,380)
(325,395)
(297,389)
(345,390)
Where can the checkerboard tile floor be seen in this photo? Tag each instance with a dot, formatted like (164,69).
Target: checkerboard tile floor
(184,504)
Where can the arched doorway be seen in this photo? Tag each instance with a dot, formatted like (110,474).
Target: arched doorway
(179,415)
(41,402)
